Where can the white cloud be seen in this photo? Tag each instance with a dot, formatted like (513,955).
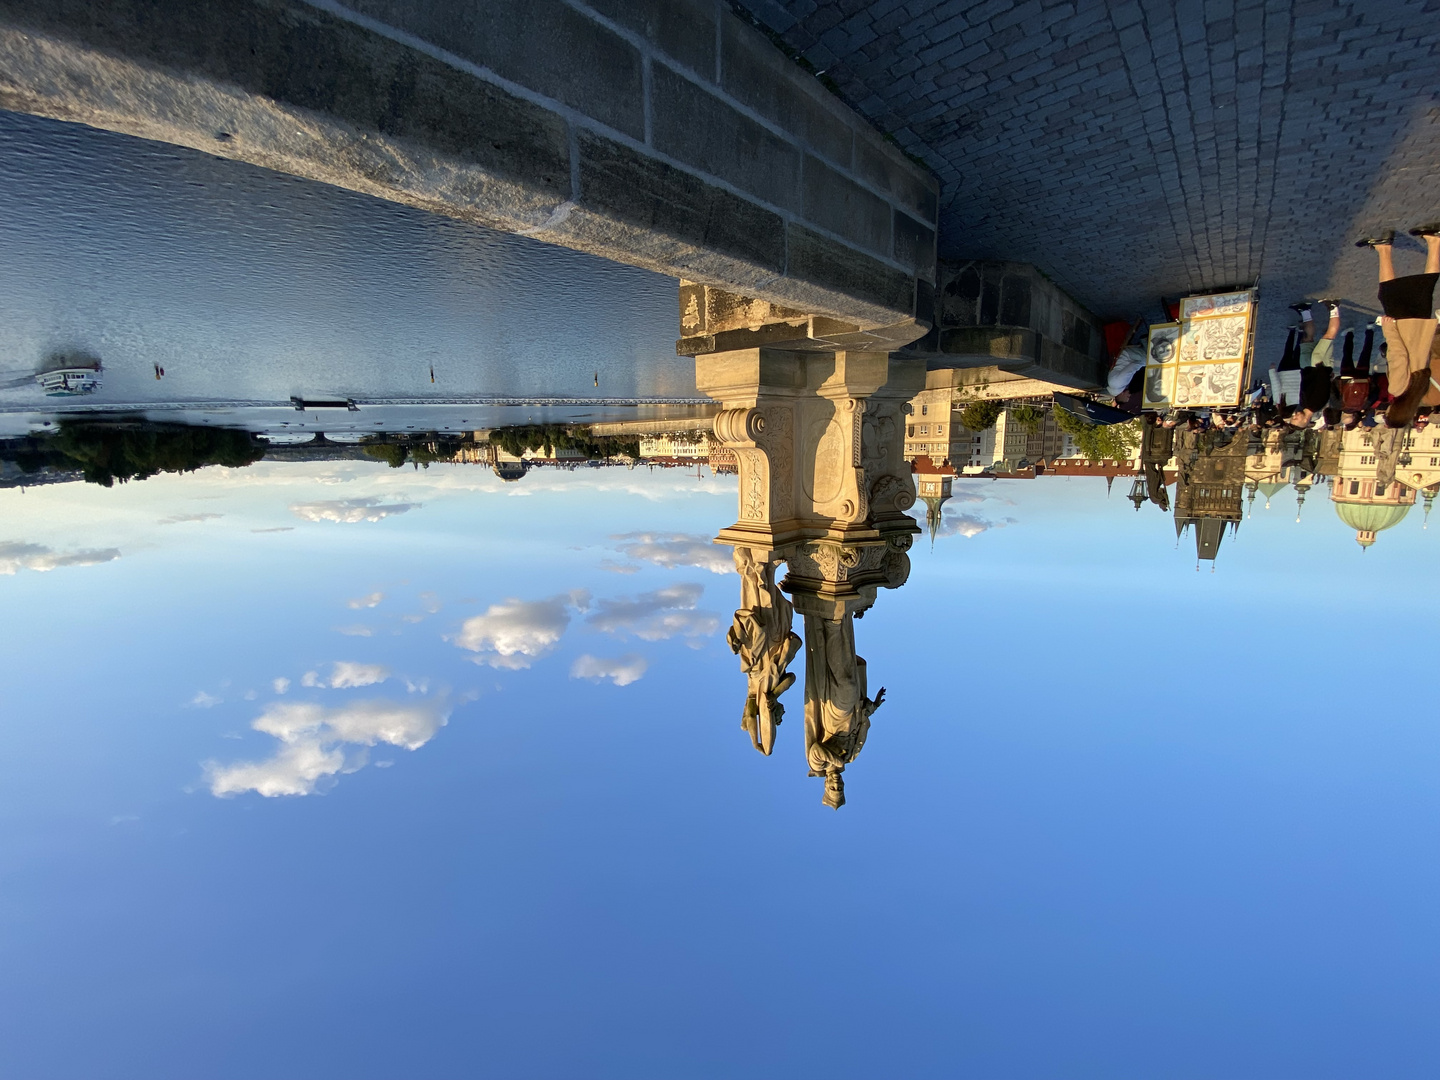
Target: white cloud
(365,601)
(677,549)
(281,685)
(355,630)
(202,700)
(179,519)
(430,602)
(655,616)
(969,525)
(314,740)
(350,511)
(16,555)
(347,674)
(622,671)
(618,568)
(516,633)
(310,678)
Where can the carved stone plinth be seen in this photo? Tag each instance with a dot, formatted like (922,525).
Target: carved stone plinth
(824,488)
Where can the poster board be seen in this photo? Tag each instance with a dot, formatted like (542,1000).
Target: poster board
(1201,361)
(1162,356)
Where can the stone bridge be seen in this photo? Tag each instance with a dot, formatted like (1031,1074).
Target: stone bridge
(666,134)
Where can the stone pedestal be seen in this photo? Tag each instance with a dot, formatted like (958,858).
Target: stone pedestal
(824,487)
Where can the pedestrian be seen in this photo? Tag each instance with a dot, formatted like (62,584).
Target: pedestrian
(1409,321)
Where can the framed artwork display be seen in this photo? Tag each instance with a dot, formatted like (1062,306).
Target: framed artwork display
(1162,355)
(1201,361)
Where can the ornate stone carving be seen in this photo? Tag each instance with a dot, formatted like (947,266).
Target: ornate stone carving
(837,705)
(761,636)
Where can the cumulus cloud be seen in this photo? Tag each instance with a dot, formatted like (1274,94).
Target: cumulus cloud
(347,674)
(516,633)
(677,549)
(317,743)
(16,555)
(614,567)
(350,511)
(622,671)
(281,684)
(369,601)
(202,700)
(655,616)
(310,678)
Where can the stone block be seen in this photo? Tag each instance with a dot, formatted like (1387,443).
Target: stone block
(759,76)
(619,183)
(543,45)
(304,58)
(695,126)
(887,171)
(914,245)
(816,258)
(684,30)
(839,204)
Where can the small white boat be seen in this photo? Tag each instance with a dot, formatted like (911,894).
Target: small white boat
(70,381)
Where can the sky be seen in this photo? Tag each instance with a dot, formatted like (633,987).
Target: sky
(334,770)
(331,769)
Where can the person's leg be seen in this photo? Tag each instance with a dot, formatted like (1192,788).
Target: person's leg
(1347,356)
(1432,254)
(1290,358)
(1387,262)
(1363,367)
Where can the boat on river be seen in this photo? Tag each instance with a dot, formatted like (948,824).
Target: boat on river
(72,378)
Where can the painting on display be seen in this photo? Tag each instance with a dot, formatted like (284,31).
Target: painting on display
(1205,355)
(1197,307)
(1162,354)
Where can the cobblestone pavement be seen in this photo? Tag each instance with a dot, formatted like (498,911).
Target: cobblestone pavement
(1148,147)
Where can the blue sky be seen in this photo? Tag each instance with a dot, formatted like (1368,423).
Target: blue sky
(1115,818)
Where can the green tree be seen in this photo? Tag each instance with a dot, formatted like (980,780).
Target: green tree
(393,454)
(1100,442)
(981,415)
(106,453)
(1030,417)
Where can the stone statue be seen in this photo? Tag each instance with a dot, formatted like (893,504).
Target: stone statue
(761,636)
(837,708)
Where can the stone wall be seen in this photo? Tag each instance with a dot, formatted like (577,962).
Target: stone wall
(990,312)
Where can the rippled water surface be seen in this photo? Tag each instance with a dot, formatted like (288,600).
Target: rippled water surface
(245,284)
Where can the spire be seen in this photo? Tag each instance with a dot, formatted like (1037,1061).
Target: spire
(1429,499)
(1299,503)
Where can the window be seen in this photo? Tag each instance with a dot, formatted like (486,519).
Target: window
(910,432)
(1354,487)
(924,410)
(924,429)
(939,429)
(1366,441)
(1435,461)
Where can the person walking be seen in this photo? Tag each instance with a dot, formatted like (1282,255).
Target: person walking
(1408,322)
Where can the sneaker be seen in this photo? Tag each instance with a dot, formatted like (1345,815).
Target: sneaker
(1384,238)
(1300,308)
(1431,229)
